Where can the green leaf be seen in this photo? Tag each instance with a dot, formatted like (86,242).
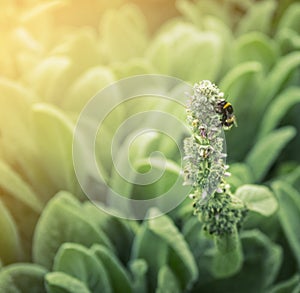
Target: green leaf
(141,148)
(168,174)
(200,246)
(181,259)
(46,77)
(79,262)
(239,84)
(135,66)
(290,285)
(63,220)
(266,150)
(278,109)
(12,183)
(82,51)
(289,214)
(53,76)
(276,80)
(293,177)
(15,102)
(117,274)
(228,258)
(54,136)
(58,282)
(236,82)
(240,174)
(16,138)
(290,18)
(258,199)
(189,11)
(258,17)
(289,40)
(185,52)
(167,282)
(139,268)
(288,29)
(118,230)
(22,278)
(262,260)
(215,24)
(10,246)
(197,10)
(151,248)
(162,175)
(124,33)
(87,85)
(256,46)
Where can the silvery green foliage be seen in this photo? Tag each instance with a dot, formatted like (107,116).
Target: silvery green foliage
(252,53)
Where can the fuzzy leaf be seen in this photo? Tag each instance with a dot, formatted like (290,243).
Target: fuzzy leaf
(289,40)
(12,182)
(86,86)
(277,110)
(276,80)
(200,246)
(258,17)
(238,84)
(256,47)
(290,18)
(15,104)
(262,260)
(54,134)
(80,263)
(124,33)
(53,76)
(186,53)
(16,138)
(45,78)
(151,248)
(81,50)
(167,281)
(289,214)
(240,174)
(58,282)
(63,220)
(289,28)
(181,260)
(195,11)
(261,250)
(266,150)
(118,230)
(132,67)
(10,247)
(228,258)
(258,199)
(290,285)
(117,274)
(22,278)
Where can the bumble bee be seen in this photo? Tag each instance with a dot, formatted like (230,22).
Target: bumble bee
(225,108)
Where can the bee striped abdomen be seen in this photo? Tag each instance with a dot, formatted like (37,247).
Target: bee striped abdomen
(225,108)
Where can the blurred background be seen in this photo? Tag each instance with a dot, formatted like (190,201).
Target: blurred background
(56,55)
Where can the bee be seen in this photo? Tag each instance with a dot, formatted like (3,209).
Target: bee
(225,108)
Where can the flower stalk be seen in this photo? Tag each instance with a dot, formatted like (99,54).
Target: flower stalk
(205,169)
